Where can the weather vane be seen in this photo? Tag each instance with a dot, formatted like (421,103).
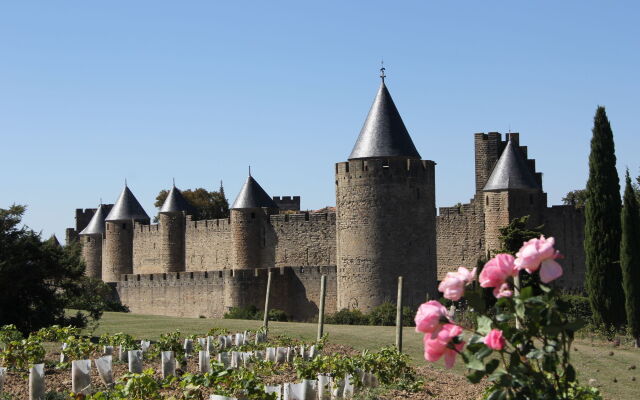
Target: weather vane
(382,69)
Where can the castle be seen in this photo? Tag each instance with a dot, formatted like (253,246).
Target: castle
(384,226)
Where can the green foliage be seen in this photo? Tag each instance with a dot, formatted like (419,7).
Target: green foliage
(171,341)
(630,258)
(516,233)
(36,279)
(602,227)
(118,339)
(347,317)
(20,354)
(79,348)
(218,331)
(578,307)
(208,205)
(9,333)
(57,333)
(252,313)
(385,315)
(576,198)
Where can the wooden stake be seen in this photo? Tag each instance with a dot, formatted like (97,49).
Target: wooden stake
(399,316)
(323,295)
(266,303)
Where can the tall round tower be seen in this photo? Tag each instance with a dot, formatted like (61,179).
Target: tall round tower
(172,231)
(91,242)
(512,191)
(249,223)
(385,224)
(117,250)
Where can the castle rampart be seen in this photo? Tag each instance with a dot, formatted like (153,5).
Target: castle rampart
(296,290)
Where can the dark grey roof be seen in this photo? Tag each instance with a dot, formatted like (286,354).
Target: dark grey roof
(96,225)
(252,195)
(127,208)
(175,202)
(53,241)
(511,171)
(384,133)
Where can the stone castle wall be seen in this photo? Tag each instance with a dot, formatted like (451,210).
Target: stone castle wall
(296,290)
(566,225)
(304,239)
(208,245)
(460,233)
(146,249)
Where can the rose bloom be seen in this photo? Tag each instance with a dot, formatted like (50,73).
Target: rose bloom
(441,344)
(494,340)
(539,254)
(453,285)
(430,316)
(503,291)
(497,270)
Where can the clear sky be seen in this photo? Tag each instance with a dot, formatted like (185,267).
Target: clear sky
(94,92)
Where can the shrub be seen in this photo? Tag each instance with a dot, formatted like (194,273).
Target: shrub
(579,306)
(252,312)
(347,317)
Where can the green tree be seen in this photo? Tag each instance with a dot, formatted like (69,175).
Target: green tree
(36,277)
(576,198)
(602,227)
(630,258)
(208,205)
(513,236)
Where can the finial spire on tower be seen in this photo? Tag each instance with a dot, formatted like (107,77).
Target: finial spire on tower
(382,69)
(174,182)
(249,170)
(125,182)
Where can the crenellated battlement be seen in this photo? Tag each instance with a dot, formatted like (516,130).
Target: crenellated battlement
(379,167)
(208,225)
(454,211)
(146,229)
(303,217)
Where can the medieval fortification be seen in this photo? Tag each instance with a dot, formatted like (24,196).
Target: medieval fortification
(385,225)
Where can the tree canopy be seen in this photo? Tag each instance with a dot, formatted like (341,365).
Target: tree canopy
(630,258)
(208,205)
(36,278)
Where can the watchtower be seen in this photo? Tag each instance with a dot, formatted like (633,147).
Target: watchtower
(249,224)
(172,231)
(512,190)
(117,250)
(385,205)
(91,241)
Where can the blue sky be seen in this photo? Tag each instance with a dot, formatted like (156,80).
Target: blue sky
(92,93)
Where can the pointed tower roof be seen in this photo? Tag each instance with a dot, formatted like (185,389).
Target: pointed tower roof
(252,195)
(511,171)
(127,208)
(175,202)
(53,241)
(384,133)
(96,225)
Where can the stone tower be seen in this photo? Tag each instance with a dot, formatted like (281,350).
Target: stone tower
(172,231)
(91,240)
(117,249)
(249,227)
(385,224)
(512,191)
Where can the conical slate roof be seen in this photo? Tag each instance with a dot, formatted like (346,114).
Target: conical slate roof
(96,225)
(53,241)
(252,195)
(127,208)
(511,171)
(175,202)
(384,133)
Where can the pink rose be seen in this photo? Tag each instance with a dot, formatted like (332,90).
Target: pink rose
(430,316)
(453,285)
(550,271)
(441,344)
(497,271)
(503,291)
(539,254)
(494,340)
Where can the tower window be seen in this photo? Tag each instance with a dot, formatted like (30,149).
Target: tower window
(88,239)
(253,215)
(124,226)
(385,164)
(487,200)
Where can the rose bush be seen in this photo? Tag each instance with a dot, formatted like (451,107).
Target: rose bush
(523,346)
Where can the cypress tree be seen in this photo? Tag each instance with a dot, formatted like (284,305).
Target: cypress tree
(602,227)
(630,258)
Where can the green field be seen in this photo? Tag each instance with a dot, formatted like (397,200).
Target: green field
(592,359)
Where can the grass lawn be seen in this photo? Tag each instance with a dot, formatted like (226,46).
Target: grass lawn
(592,359)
